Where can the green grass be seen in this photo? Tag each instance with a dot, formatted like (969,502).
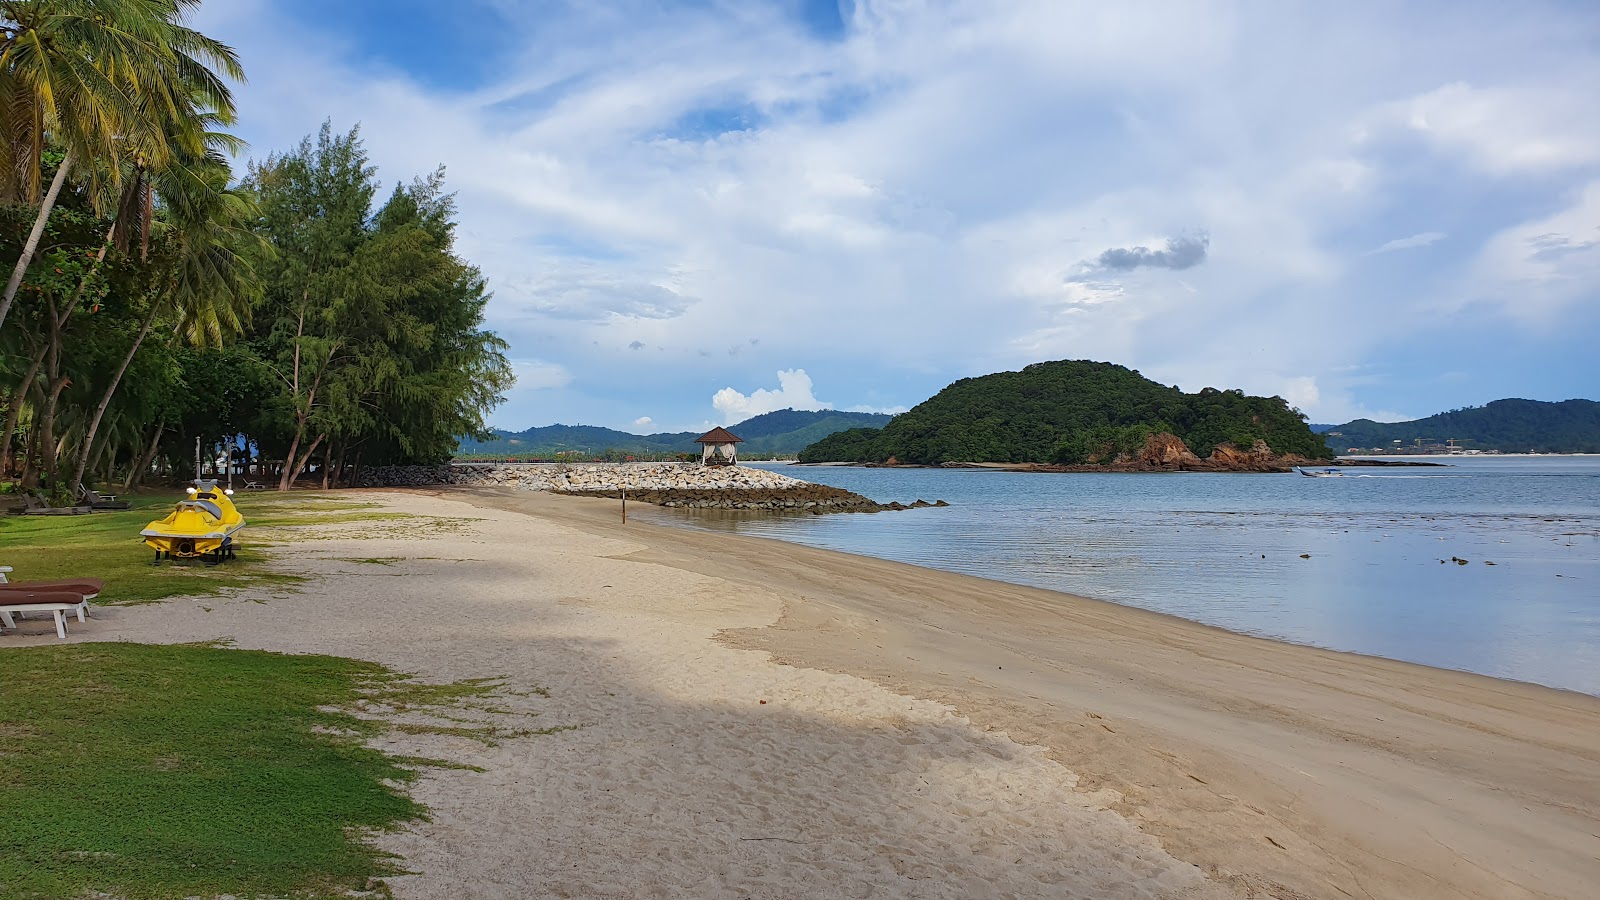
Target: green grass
(107,545)
(169,771)
(140,771)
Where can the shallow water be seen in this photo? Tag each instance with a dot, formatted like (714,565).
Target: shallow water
(1227,550)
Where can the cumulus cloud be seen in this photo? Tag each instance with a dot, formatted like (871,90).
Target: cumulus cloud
(1179,253)
(643,422)
(793,392)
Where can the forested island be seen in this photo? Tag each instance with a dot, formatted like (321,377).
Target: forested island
(1505,426)
(1084,414)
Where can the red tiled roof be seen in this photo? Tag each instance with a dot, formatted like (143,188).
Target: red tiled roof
(718,435)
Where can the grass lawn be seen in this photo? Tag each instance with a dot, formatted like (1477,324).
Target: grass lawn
(144,771)
(107,545)
(169,771)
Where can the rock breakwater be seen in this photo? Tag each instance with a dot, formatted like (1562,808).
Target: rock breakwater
(685,485)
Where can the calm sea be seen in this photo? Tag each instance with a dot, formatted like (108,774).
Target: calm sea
(1231,551)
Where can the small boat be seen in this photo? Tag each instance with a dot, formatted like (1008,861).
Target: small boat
(203,525)
(1325,473)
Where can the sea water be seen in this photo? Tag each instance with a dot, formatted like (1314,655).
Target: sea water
(1364,563)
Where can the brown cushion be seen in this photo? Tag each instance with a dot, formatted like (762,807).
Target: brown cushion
(30,598)
(75,585)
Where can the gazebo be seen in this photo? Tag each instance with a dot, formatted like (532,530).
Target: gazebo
(718,447)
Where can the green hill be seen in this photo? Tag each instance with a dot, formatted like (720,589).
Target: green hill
(1510,426)
(1069,411)
(784,432)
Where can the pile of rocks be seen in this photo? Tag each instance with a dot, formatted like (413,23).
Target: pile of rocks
(688,485)
(419,476)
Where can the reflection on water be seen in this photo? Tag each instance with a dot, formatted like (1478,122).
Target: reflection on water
(1365,564)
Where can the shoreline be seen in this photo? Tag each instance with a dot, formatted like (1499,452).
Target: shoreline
(730,716)
(1267,763)
(1285,468)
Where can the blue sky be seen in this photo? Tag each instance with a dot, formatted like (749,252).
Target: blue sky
(695,212)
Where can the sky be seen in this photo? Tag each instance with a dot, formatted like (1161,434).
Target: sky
(691,213)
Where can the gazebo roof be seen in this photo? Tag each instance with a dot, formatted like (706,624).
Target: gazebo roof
(719,435)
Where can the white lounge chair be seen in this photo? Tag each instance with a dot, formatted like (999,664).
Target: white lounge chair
(55,597)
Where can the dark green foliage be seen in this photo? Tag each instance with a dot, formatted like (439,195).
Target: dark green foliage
(1104,444)
(784,432)
(371,326)
(168,771)
(852,445)
(1511,426)
(1070,411)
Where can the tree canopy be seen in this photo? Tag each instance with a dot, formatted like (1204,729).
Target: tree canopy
(1510,426)
(1068,411)
(290,308)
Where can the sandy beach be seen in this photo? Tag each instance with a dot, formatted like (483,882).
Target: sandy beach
(717,716)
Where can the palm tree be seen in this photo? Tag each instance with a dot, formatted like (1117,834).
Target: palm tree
(209,283)
(104,80)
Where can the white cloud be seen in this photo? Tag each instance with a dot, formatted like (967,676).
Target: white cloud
(1423,239)
(1538,268)
(1302,393)
(1504,129)
(793,392)
(920,195)
(536,375)
(643,422)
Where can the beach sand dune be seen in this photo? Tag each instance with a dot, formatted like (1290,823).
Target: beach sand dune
(659,771)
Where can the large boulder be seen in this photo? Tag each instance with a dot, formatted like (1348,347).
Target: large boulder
(1166,450)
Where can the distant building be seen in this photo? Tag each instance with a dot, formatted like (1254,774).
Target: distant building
(718,447)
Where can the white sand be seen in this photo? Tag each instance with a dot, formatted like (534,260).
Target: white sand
(677,780)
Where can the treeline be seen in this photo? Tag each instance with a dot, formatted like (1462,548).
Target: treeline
(778,434)
(1510,426)
(1072,412)
(157,297)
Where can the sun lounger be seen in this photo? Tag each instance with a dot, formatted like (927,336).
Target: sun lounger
(97,500)
(35,505)
(88,587)
(57,603)
(55,597)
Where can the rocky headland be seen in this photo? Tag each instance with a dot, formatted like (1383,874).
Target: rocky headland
(685,485)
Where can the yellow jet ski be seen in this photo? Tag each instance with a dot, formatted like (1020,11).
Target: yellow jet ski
(202,525)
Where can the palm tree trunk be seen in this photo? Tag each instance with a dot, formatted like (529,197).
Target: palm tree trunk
(34,236)
(47,433)
(105,401)
(14,413)
(141,464)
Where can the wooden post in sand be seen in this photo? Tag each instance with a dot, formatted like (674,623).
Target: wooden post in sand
(624,492)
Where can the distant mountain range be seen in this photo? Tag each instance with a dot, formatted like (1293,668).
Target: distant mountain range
(783,433)
(1510,426)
